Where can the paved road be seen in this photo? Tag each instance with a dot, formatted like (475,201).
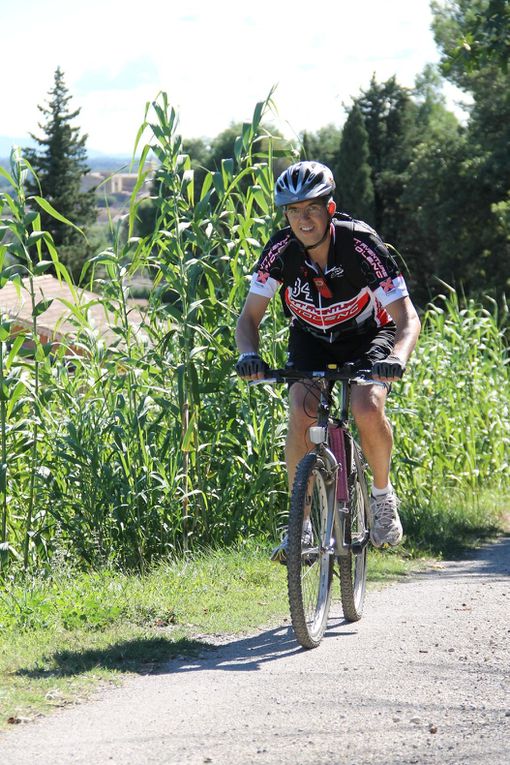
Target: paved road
(423,678)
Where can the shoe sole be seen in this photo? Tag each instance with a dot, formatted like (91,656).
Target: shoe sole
(385,544)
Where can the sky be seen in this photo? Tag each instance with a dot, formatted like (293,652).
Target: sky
(215,60)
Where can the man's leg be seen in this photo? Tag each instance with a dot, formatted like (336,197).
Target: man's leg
(376,439)
(376,436)
(302,413)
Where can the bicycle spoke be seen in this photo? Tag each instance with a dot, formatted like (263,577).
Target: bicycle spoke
(309,569)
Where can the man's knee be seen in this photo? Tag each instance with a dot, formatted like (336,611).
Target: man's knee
(368,407)
(302,408)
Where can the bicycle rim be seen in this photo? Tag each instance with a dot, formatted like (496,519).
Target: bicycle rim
(309,569)
(353,567)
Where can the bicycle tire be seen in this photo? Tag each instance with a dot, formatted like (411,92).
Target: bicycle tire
(309,570)
(353,566)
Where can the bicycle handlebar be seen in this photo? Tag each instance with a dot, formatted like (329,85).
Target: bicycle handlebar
(347,373)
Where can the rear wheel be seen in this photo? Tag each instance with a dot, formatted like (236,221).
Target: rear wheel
(309,566)
(353,566)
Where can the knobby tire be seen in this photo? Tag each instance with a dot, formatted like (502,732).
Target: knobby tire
(309,570)
(353,567)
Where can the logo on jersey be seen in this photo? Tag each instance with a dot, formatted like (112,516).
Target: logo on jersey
(388,285)
(300,291)
(325,318)
(274,252)
(376,265)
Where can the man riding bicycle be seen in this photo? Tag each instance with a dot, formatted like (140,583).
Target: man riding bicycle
(347,302)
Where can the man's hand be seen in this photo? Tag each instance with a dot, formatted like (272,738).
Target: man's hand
(389,369)
(251,367)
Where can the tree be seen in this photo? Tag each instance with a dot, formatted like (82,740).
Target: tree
(484,26)
(60,164)
(355,190)
(199,152)
(389,115)
(322,146)
(473,34)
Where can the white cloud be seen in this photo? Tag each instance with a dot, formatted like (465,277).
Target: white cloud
(215,61)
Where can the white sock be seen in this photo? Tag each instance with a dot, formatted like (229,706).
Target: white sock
(380,492)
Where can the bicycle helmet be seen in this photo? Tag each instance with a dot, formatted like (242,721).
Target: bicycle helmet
(304,180)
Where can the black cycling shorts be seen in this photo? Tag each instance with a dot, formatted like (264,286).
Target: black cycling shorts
(308,353)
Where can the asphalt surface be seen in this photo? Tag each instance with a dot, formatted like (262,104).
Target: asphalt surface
(423,678)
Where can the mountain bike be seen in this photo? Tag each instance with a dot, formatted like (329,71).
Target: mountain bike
(329,491)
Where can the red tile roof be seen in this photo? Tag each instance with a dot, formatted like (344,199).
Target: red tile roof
(55,323)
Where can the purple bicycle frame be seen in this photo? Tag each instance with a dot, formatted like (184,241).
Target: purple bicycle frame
(337,444)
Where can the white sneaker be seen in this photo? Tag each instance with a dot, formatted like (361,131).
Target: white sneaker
(279,554)
(385,526)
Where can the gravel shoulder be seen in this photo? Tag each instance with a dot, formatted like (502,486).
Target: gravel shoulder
(423,678)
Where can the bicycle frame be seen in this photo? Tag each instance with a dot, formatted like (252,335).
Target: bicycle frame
(330,439)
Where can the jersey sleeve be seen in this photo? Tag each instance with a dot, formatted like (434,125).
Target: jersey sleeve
(268,274)
(381,271)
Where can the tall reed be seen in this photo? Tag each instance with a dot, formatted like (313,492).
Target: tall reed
(147,446)
(23,247)
(452,419)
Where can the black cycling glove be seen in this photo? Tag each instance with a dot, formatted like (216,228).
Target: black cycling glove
(249,364)
(390,367)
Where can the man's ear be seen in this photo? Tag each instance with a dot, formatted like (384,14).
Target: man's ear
(331,207)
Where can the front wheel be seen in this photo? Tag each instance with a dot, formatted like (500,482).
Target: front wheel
(309,558)
(353,566)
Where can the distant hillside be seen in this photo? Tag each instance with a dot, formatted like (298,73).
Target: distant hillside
(96,159)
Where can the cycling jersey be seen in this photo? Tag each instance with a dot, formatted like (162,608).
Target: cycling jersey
(349,297)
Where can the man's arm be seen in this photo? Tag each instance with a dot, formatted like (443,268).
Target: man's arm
(408,324)
(247,329)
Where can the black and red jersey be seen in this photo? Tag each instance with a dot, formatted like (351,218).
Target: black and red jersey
(349,297)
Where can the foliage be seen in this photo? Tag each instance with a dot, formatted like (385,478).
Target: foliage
(59,164)
(148,447)
(452,419)
(483,169)
(474,34)
(130,461)
(356,189)
(389,116)
(323,145)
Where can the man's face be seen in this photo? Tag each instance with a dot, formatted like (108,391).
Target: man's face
(308,220)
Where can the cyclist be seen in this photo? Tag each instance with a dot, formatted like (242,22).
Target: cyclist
(347,302)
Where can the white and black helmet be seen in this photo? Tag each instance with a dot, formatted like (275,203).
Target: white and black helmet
(304,180)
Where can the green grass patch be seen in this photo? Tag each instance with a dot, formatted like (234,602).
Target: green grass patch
(454,521)
(63,634)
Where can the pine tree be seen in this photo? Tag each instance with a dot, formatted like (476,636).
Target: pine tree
(390,119)
(60,162)
(353,172)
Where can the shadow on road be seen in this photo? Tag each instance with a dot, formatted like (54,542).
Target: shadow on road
(248,654)
(138,655)
(245,654)
(160,656)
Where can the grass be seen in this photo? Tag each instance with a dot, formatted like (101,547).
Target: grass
(98,459)
(61,637)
